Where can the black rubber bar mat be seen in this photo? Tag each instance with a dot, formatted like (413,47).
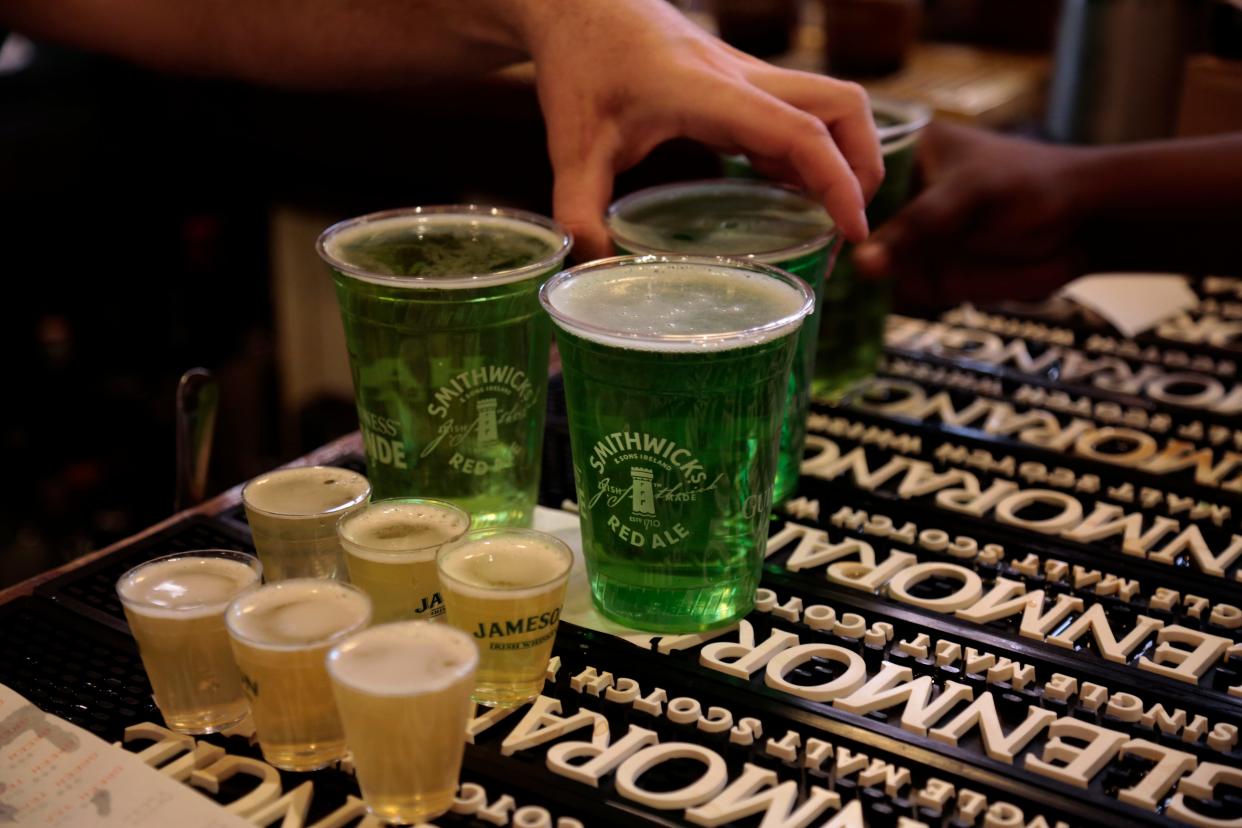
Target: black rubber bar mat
(1006,594)
(90,591)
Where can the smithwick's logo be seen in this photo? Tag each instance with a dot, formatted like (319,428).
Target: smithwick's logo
(643,494)
(487,434)
(647,472)
(473,409)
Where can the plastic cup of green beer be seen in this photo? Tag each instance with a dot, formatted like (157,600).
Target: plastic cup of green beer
(293,515)
(449,350)
(676,375)
(755,220)
(851,336)
(403,692)
(506,588)
(390,552)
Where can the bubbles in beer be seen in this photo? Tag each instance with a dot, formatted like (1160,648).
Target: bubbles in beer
(719,218)
(506,561)
(673,299)
(308,490)
(297,613)
(441,245)
(403,658)
(186,582)
(503,562)
(399,527)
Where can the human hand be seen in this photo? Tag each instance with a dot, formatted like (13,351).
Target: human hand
(998,218)
(615,79)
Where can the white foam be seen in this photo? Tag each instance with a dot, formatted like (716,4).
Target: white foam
(515,564)
(301,612)
(386,530)
(346,235)
(306,491)
(675,306)
(404,658)
(185,587)
(742,218)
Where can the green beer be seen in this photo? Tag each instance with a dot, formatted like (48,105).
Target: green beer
(747,219)
(851,336)
(675,378)
(449,350)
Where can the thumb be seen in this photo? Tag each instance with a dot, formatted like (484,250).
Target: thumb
(935,219)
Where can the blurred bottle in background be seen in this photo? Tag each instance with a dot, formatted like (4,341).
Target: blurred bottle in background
(1118,69)
(763,28)
(870,38)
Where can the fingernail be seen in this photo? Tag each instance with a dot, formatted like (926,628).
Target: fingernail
(871,258)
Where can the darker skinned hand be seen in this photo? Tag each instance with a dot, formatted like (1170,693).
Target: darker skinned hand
(996,219)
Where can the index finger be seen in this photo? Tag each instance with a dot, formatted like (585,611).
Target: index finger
(763,125)
(845,108)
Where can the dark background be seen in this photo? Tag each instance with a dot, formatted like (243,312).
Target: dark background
(136,224)
(136,216)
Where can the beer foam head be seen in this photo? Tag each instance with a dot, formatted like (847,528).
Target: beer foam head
(516,561)
(404,658)
(297,613)
(391,527)
(727,217)
(306,491)
(186,586)
(676,304)
(444,247)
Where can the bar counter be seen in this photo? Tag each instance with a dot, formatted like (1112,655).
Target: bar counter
(1005,593)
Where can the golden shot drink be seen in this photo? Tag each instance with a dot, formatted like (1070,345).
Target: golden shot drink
(293,515)
(281,634)
(175,607)
(390,552)
(506,587)
(403,692)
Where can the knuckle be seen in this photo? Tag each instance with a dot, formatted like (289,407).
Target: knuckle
(809,127)
(855,96)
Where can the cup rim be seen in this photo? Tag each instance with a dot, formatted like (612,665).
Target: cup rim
(913,116)
(349,504)
(567,556)
(289,583)
(663,191)
(404,628)
(682,343)
(475,211)
(400,553)
(237,555)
